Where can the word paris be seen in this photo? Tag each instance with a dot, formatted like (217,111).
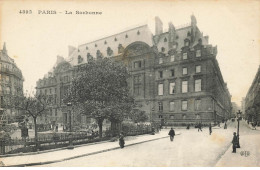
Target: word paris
(51,12)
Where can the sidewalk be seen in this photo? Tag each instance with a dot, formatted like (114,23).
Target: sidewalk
(65,154)
(246,156)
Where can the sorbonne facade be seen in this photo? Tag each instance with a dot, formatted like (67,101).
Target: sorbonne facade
(11,84)
(175,75)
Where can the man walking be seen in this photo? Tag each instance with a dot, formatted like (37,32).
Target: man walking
(210,129)
(199,127)
(172,134)
(234,142)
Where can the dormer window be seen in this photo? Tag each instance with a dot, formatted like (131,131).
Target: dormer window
(126,36)
(138,32)
(187,43)
(163,49)
(78,50)
(105,42)
(95,45)
(80,59)
(86,47)
(184,56)
(165,39)
(198,53)
(115,39)
(172,58)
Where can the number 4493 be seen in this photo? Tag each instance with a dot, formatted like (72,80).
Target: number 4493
(25,11)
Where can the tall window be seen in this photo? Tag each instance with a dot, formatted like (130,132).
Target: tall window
(137,84)
(184,86)
(172,58)
(197,104)
(171,116)
(197,85)
(160,74)
(160,89)
(172,72)
(198,69)
(160,60)
(160,104)
(198,53)
(172,106)
(137,64)
(184,70)
(172,88)
(184,105)
(184,56)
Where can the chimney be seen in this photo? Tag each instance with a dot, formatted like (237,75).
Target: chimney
(207,39)
(158,26)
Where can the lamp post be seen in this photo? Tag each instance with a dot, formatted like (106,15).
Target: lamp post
(70,135)
(238,119)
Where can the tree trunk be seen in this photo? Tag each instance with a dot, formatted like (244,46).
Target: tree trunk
(100,125)
(35,133)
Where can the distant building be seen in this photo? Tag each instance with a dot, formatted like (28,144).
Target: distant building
(175,75)
(11,80)
(235,109)
(252,100)
(243,105)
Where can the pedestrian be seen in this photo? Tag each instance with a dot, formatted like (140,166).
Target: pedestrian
(225,126)
(172,134)
(199,127)
(210,129)
(234,142)
(188,127)
(121,141)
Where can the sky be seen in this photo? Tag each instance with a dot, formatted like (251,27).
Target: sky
(34,40)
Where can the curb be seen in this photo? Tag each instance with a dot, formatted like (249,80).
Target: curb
(78,156)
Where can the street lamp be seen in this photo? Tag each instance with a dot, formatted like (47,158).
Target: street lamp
(238,119)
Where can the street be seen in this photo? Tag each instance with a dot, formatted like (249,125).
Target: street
(191,148)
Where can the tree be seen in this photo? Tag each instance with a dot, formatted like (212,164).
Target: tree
(33,107)
(100,89)
(138,116)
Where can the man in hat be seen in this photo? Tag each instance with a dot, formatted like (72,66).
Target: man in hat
(172,134)
(234,142)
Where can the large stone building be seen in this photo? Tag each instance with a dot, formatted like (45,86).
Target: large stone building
(252,100)
(11,84)
(175,75)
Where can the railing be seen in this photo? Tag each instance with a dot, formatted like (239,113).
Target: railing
(58,140)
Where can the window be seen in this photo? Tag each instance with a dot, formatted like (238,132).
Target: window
(197,85)
(138,32)
(172,88)
(137,84)
(115,39)
(162,49)
(105,42)
(198,53)
(160,89)
(172,58)
(160,104)
(8,90)
(80,59)
(160,74)
(160,60)
(137,64)
(126,36)
(95,45)
(50,91)
(86,47)
(45,92)
(165,39)
(184,105)
(197,116)
(198,69)
(172,72)
(184,70)
(183,116)
(187,43)
(171,116)
(184,86)
(160,116)
(171,106)
(7,79)
(174,46)
(184,56)
(197,104)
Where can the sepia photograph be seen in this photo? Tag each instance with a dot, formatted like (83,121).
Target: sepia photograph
(149,83)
